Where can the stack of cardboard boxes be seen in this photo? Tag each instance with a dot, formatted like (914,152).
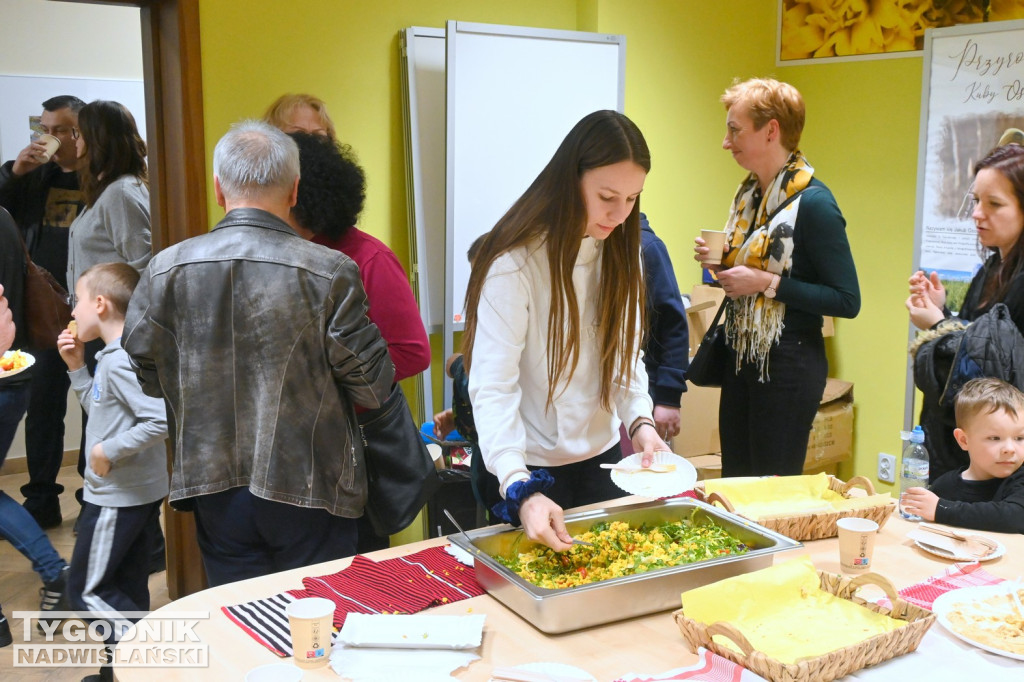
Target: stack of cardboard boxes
(831,439)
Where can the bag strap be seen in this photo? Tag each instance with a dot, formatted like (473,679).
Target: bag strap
(718,314)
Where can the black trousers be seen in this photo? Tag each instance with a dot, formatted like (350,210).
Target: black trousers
(575,485)
(243,536)
(765,426)
(110,564)
(44,429)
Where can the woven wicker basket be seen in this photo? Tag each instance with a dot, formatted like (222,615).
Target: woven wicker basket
(818,525)
(835,663)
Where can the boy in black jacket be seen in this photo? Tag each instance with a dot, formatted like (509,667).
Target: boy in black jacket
(989,493)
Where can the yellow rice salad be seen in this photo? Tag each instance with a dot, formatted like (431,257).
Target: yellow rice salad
(621,550)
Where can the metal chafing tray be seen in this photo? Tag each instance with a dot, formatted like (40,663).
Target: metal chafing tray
(564,610)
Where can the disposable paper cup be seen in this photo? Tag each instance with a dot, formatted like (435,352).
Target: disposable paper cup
(310,621)
(52,144)
(715,241)
(856,543)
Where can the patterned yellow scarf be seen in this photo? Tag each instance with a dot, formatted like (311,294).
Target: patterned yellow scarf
(761,236)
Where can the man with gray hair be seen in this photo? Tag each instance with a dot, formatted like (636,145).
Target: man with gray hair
(259,343)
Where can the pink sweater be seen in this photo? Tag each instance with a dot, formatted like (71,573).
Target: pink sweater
(392,304)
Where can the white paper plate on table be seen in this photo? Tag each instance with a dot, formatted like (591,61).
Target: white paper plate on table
(412,632)
(962,556)
(969,598)
(557,670)
(650,484)
(11,372)
(275,672)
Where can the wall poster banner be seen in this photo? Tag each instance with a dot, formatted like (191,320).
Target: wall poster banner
(972,101)
(874,29)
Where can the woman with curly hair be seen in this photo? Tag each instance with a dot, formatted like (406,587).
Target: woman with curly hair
(332,190)
(114,226)
(554,320)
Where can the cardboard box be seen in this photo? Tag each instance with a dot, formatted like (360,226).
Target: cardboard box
(704,302)
(707,466)
(698,429)
(831,439)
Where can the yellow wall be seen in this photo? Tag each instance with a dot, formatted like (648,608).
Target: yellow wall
(861,132)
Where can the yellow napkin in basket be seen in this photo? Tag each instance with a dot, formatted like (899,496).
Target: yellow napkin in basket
(784,613)
(777,496)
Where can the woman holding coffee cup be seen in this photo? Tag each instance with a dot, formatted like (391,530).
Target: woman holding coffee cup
(786,263)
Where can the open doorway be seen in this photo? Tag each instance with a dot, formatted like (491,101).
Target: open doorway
(169,32)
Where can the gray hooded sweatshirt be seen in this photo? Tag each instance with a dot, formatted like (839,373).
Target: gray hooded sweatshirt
(131,426)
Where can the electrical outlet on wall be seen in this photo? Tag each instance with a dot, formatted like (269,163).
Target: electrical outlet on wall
(886,467)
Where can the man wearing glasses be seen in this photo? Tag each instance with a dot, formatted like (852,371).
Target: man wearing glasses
(44,198)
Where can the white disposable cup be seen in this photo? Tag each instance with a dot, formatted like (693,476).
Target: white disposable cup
(856,543)
(715,241)
(311,624)
(51,143)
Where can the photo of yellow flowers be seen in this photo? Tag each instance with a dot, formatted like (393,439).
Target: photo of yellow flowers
(823,29)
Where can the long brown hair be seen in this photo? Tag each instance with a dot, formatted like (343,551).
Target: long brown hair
(552,214)
(1008,160)
(113,147)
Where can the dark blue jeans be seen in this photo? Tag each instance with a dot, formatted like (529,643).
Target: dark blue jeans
(765,426)
(243,536)
(16,524)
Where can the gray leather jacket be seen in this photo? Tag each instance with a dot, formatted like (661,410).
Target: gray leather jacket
(258,341)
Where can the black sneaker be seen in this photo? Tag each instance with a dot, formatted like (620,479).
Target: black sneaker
(53,596)
(5,631)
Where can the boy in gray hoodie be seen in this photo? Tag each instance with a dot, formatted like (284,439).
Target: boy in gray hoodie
(126,467)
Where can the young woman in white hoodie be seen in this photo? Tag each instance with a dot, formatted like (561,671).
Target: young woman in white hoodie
(554,326)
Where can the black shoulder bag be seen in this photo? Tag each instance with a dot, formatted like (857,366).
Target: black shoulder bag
(400,473)
(708,366)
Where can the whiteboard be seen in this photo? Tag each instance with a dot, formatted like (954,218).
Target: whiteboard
(22,97)
(423,55)
(972,94)
(513,94)
(424,87)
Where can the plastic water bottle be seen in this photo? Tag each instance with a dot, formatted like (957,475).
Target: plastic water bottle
(914,466)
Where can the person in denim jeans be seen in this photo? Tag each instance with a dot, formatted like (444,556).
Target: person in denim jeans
(16,524)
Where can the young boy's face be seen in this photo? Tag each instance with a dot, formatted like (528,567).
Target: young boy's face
(86,313)
(995,442)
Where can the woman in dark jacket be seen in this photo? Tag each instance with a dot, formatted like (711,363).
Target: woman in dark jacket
(998,196)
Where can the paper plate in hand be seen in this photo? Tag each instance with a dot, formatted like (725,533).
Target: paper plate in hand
(412,631)
(978,615)
(28,360)
(650,484)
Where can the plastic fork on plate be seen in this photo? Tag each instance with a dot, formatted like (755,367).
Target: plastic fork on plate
(977,545)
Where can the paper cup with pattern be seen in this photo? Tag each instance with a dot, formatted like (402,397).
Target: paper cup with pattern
(311,624)
(856,543)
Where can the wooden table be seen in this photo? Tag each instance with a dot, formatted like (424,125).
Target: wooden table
(644,644)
